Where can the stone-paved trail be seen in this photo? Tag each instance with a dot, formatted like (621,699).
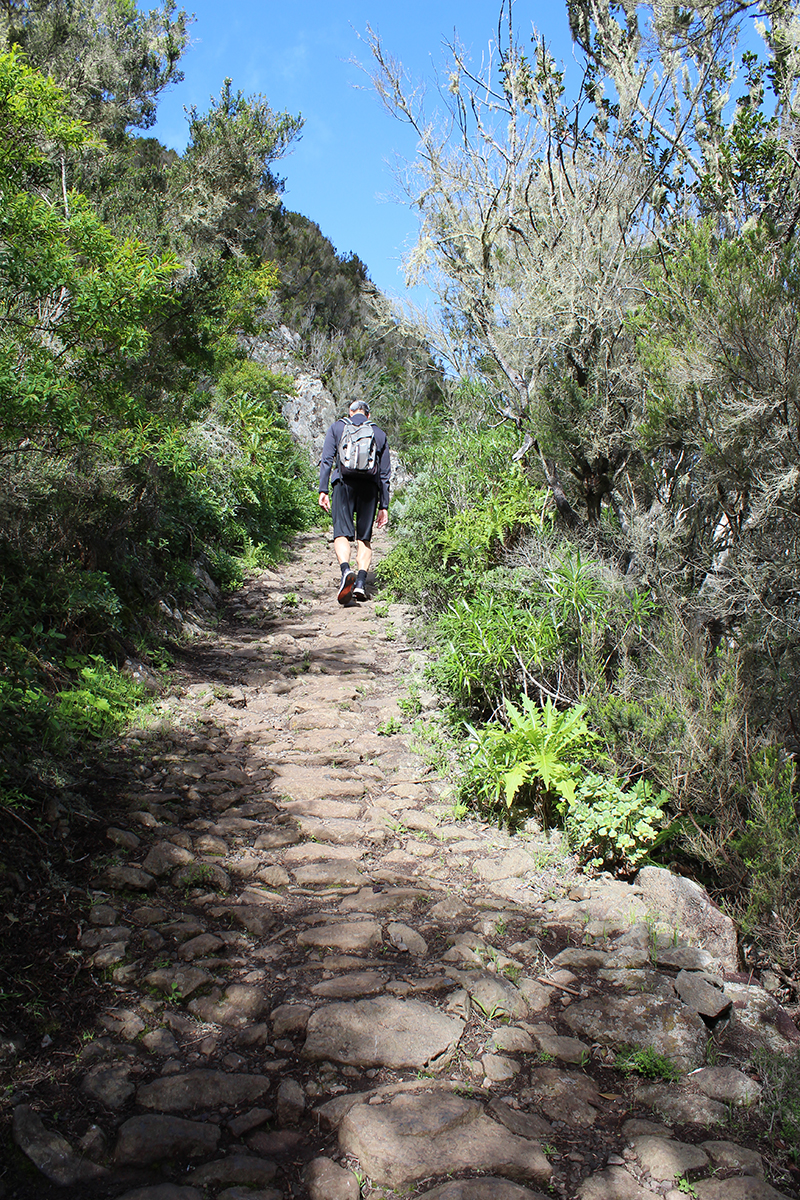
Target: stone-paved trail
(327,986)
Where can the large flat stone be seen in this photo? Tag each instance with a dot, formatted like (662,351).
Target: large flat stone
(343,935)
(494,995)
(384,1032)
(201,1089)
(703,994)
(236,1168)
(393,898)
(762,1017)
(416,1136)
(239,1005)
(350,986)
(665,1159)
(314,852)
(331,829)
(665,1025)
(325,809)
(309,783)
(568,1096)
(329,874)
(152,1138)
(727,1084)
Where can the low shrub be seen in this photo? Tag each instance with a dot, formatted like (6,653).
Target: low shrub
(646,1062)
(611,827)
(468,503)
(100,702)
(530,759)
(488,645)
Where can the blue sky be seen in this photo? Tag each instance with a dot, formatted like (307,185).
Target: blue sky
(298,55)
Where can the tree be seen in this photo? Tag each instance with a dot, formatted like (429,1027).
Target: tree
(532,219)
(224,181)
(76,300)
(667,78)
(113,60)
(544,221)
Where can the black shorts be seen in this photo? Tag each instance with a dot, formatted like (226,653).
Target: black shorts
(354,496)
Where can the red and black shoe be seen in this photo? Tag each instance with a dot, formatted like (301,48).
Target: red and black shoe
(346,590)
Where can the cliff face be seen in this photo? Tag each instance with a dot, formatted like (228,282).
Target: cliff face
(310,411)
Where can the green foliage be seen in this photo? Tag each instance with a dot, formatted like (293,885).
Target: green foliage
(488,643)
(769,846)
(113,59)
(33,113)
(82,301)
(320,291)
(99,703)
(534,756)
(611,827)
(472,539)
(648,1063)
(468,503)
(410,705)
(553,624)
(77,300)
(224,179)
(122,466)
(779,1072)
(654,370)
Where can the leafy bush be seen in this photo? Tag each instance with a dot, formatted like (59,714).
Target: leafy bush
(770,851)
(487,647)
(100,703)
(648,1063)
(472,539)
(600,622)
(468,502)
(531,759)
(611,827)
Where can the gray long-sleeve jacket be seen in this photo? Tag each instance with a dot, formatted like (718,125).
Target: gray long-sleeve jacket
(329,471)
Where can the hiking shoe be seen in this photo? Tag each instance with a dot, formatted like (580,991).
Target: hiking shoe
(360,590)
(346,590)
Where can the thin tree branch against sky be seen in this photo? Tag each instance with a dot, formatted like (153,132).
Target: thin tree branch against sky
(301,56)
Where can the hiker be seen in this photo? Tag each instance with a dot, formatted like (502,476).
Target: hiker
(355,459)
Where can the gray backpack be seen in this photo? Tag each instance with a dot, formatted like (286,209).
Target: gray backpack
(357,452)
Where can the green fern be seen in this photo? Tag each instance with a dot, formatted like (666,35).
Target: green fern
(539,751)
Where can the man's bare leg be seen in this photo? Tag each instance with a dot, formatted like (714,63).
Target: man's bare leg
(341,548)
(363,556)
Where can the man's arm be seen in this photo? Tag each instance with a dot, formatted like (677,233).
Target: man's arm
(327,460)
(384,478)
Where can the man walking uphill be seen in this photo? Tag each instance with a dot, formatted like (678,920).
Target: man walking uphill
(355,459)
